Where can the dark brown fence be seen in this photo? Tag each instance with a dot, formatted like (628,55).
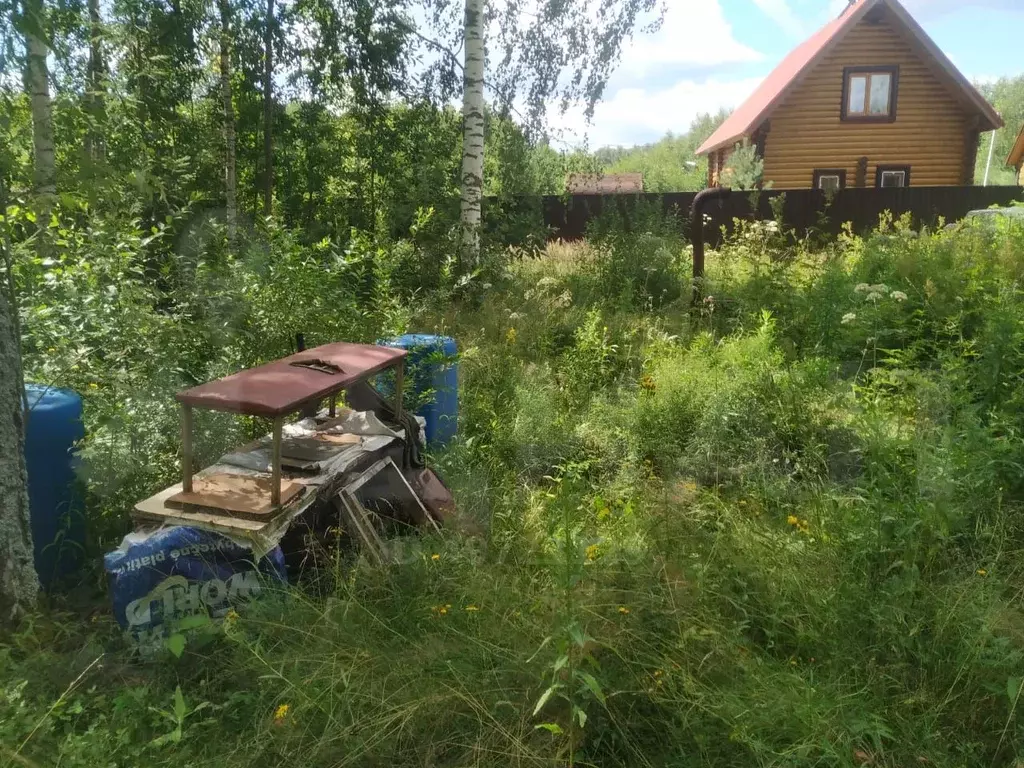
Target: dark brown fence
(804,210)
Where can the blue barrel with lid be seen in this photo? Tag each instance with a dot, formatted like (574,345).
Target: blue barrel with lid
(431,367)
(53,425)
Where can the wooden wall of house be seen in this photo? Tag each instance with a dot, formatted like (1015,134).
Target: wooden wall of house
(932,132)
(718,161)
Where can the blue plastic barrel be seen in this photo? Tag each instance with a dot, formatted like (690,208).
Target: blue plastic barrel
(431,366)
(53,426)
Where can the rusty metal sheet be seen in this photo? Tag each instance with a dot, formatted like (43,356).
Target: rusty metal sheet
(281,387)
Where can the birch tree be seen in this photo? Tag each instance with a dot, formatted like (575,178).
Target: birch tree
(95,147)
(37,85)
(472,178)
(230,158)
(546,53)
(268,110)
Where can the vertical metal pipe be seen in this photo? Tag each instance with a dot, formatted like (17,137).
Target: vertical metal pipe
(697,232)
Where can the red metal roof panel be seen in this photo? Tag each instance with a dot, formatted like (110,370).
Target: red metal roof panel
(746,117)
(279,388)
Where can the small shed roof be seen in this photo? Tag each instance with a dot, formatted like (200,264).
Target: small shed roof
(756,109)
(604,183)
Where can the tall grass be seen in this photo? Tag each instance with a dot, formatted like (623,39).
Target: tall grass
(780,529)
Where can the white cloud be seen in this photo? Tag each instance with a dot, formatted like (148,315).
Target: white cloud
(637,115)
(666,79)
(930,9)
(694,34)
(780,12)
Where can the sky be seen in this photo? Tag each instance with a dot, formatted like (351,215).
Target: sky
(711,54)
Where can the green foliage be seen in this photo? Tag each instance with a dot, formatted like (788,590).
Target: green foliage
(668,165)
(779,528)
(636,260)
(744,168)
(1007,95)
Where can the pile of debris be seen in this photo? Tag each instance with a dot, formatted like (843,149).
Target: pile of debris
(325,479)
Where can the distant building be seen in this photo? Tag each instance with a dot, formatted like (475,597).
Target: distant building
(604,183)
(868,101)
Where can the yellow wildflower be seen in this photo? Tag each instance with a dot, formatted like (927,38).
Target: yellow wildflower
(471,609)
(647,383)
(93,385)
(623,610)
(982,572)
(793,520)
(230,618)
(435,557)
(510,336)
(280,714)
(592,552)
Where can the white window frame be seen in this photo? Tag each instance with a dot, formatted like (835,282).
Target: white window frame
(830,176)
(902,173)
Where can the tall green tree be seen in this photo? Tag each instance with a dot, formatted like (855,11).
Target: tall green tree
(1007,96)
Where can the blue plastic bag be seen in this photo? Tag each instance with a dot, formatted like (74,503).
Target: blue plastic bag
(177,579)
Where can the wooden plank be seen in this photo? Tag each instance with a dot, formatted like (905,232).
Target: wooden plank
(275,462)
(234,494)
(359,521)
(186,447)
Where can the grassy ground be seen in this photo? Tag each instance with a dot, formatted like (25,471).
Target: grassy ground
(780,530)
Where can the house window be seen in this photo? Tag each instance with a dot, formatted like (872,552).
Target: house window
(829,179)
(892,176)
(869,93)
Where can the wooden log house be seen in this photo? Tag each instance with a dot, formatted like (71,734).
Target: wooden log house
(868,101)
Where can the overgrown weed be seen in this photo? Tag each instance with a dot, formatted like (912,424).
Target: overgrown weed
(781,530)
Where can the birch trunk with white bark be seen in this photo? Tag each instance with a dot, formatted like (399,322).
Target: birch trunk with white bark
(268,111)
(472,131)
(95,146)
(37,83)
(230,172)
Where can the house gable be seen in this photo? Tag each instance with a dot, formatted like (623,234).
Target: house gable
(931,131)
(892,36)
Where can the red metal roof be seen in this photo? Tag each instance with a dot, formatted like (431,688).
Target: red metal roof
(280,387)
(751,113)
(604,183)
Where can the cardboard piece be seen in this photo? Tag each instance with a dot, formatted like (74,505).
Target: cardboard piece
(239,494)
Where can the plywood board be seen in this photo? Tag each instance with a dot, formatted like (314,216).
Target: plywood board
(342,439)
(240,494)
